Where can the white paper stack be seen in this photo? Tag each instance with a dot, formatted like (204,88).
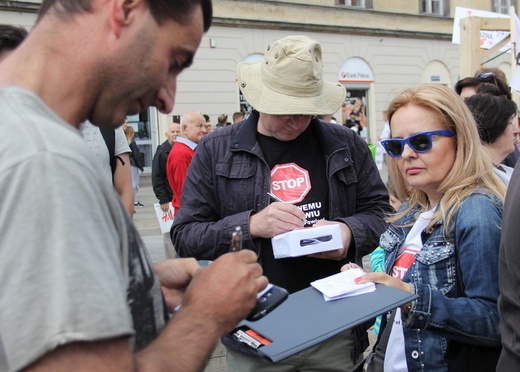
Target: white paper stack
(342,285)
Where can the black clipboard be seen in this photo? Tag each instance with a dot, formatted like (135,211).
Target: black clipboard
(306,319)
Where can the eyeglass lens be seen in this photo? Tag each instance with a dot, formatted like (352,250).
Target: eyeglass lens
(418,143)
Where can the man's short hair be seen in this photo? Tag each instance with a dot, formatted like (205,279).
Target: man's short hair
(162,10)
(11,36)
(237,115)
(222,119)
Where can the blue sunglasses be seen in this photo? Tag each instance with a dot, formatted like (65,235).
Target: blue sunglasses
(420,142)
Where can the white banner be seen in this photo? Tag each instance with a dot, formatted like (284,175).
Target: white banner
(488,39)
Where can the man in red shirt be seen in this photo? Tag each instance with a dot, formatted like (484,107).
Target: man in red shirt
(193,128)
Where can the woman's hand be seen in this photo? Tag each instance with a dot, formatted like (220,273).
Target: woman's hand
(385,279)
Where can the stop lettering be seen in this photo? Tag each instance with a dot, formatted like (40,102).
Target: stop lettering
(290,182)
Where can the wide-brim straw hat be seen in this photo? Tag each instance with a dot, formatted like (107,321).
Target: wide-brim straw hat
(289,80)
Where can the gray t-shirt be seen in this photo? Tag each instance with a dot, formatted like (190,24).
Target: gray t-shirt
(72,265)
(96,143)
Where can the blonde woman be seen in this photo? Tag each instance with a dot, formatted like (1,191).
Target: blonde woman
(443,242)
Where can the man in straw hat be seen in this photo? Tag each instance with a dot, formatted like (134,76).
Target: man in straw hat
(322,172)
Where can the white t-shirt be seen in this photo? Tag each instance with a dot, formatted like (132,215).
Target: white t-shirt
(96,143)
(504,173)
(71,261)
(413,243)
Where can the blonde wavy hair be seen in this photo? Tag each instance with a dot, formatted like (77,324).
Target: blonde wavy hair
(129,133)
(472,168)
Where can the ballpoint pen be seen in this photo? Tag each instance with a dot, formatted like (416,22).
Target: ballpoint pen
(274,197)
(269,297)
(236,239)
(277,199)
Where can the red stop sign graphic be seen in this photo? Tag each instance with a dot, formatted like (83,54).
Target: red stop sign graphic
(290,182)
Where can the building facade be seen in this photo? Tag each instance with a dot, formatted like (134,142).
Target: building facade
(376,48)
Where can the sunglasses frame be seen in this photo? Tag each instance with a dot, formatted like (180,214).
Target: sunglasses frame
(407,141)
(485,77)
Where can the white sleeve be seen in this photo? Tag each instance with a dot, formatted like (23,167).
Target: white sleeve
(121,143)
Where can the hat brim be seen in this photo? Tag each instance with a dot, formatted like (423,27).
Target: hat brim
(268,101)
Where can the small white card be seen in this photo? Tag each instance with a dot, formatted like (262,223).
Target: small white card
(342,285)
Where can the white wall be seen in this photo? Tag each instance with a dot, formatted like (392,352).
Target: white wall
(26,20)
(210,85)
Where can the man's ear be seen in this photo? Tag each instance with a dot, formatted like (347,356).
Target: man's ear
(122,13)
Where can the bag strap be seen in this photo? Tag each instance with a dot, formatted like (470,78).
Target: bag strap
(385,336)
(379,348)
(458,271)
(109,135)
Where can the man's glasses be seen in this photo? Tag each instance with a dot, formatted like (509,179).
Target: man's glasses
(420,142)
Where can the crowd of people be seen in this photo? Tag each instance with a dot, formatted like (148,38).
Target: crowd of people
(451,237)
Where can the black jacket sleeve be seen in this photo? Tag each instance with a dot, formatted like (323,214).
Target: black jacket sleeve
(135,156)
(161,187)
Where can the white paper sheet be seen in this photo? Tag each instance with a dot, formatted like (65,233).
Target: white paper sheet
(342,285)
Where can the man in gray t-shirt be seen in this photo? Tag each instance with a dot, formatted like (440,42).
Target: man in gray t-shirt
(78,289)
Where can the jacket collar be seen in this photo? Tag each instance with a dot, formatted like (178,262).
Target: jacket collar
(245,138)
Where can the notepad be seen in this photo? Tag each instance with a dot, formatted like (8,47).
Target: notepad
(342,285)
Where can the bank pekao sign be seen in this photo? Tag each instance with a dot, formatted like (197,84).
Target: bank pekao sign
(355,70)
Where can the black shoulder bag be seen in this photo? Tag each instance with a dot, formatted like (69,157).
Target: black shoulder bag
(375,360)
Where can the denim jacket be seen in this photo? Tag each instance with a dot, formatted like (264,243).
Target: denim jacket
(441,312)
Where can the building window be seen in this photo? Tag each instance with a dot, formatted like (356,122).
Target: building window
(364,4)
(501,6)
(434,7)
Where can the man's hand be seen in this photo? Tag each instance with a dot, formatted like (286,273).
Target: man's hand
(346,238)
(175,275)
(224,292)
(165,207)
(275,219)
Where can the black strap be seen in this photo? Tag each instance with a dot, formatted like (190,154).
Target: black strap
(385,336)
(109,135)
(375,360)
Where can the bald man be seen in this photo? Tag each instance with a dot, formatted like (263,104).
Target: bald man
(193,128)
